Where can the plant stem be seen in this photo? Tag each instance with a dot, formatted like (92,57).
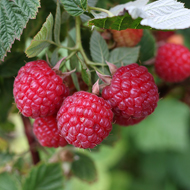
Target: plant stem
(31,140)
(68,57)
(79,45)
(101,10)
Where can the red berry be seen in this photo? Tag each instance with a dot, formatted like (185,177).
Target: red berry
(85,119)
(124,121)
(47,132)
(132,92)
(162,35)
(128,38)
(38,91)
(173,62)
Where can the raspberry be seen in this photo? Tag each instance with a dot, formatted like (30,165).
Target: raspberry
(120,120)
(47,132)
(173,62)
(38,91)
(132,92)
(128,37)
(85,119)
(162,35)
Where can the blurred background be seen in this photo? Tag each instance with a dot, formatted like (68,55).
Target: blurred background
(152,155)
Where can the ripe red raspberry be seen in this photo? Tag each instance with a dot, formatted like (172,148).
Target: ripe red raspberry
(173,62)
(120,120)
(132,92)
(38,91)
(85,119)
(128,38)
(47,132)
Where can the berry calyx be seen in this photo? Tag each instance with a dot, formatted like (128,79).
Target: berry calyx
(84,119)
(38,90)
(127,38)
(47,132)
(173,62)
(132,92)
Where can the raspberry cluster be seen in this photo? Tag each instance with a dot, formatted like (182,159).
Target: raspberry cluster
(82,119)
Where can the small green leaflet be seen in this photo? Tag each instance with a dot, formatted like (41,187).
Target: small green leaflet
(75,7)
(57,25)
(42,39)
(98,48)
(14,16)
(123,56)
(84,168)
(148,46)
(86,76)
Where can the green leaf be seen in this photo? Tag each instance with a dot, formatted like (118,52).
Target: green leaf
(57,25)
(86,76)
(54,57)
(180,168)
(8,182)
(44,177)
(75,81)
(98,48)
(186,36)
(6,97)
(5,157)
(13,63)
(118,23)
(42,39)
(83,167)
(124,56)
(160,130)
(148,46)
(148,166)
(13,18)
(7,126)
(74,63)
(75,7)
(92,3)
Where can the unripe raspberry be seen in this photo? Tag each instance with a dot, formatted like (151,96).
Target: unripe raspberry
(132,92)
(38,90)
(47,132)
(84,119)
(127,38)
(173,62)
(176,39)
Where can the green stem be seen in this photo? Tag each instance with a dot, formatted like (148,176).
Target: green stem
(68,57)
(101,10)
(79,45)
(58,45)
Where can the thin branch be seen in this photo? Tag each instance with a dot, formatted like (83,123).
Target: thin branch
(31,140)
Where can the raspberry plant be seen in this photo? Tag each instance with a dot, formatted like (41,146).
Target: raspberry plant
(74,74)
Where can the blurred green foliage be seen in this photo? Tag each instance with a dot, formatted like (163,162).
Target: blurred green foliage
(152,155)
